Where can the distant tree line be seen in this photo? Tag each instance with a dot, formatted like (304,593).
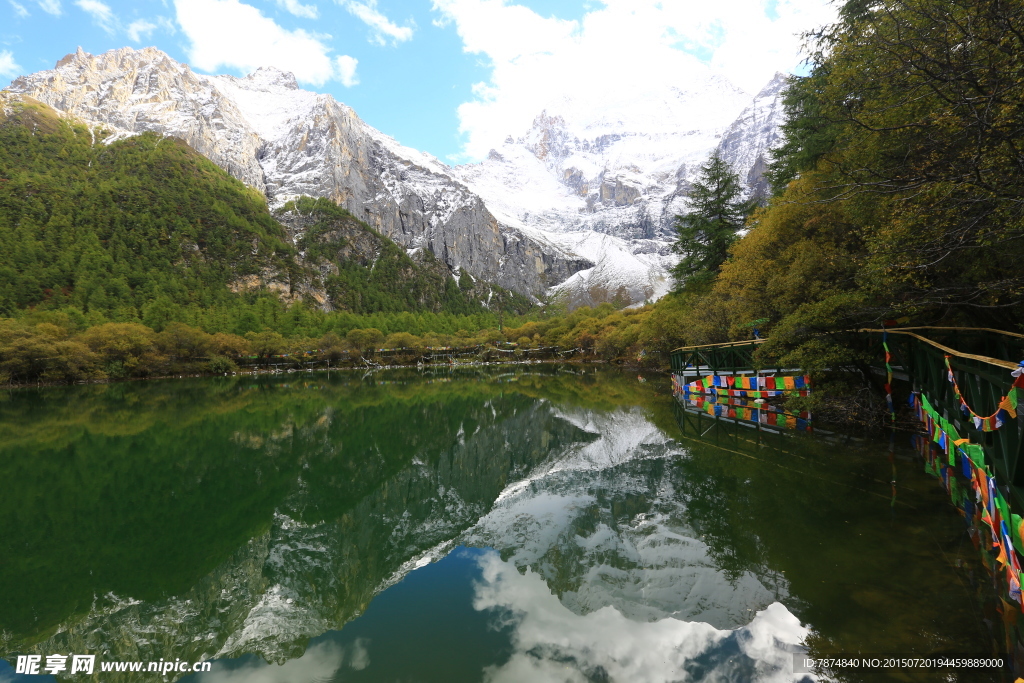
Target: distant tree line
(50,347)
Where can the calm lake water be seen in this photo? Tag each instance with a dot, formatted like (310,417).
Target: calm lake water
(526,523)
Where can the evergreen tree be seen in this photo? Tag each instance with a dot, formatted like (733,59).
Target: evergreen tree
(704,235)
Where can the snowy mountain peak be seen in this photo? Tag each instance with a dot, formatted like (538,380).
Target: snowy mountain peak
(623,170)
(775,86)
(121,58)
(754,133)
(270,79)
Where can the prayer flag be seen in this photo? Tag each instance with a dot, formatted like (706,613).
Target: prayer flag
(1015,529)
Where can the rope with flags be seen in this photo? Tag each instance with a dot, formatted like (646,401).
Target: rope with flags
(888,374)
(1006,411)
(741,410)
(742,386)
(968,459)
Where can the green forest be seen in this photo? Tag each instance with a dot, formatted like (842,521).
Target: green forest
(897,194)
(897,191)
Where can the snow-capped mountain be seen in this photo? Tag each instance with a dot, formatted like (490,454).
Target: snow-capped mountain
(608,184)
(288,142)
(583,203)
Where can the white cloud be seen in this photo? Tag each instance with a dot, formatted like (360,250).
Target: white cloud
(298,9)
(552,644)
(8,67)
(19,9)
(617,51)
(384,30)
(50,6)
(347,70)
(100,13)
(256,40)
(166,25)
(140,29)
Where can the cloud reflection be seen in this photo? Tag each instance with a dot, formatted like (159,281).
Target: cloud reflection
(320,662)
(552,643)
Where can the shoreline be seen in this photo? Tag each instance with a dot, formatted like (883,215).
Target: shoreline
(259,371)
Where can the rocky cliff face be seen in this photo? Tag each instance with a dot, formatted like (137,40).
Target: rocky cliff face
(288,142)
(134,91)
(747,142)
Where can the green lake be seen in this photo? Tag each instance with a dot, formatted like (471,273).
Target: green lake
(518,523)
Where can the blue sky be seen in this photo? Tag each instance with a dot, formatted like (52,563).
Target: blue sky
(450,77)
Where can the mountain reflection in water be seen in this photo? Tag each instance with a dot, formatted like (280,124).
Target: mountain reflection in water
(543,524)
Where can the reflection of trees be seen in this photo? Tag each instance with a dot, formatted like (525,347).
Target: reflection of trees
(710,506)
(170,489)
(145,514)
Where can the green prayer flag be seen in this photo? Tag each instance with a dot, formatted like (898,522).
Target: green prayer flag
(952,433)
(1015,521)
(976,453)
(1004,509)
(927,406)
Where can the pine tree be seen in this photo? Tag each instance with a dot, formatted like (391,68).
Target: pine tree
(717,213)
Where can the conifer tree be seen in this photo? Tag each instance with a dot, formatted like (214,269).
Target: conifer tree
(704,235)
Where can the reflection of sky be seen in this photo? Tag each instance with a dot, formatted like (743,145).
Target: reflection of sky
(319,663)
(474,617)
(7,674)
(552,643)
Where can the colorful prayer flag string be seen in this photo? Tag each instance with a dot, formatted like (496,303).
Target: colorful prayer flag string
(992,509)
(1006,410)
(748,386)
(888,374)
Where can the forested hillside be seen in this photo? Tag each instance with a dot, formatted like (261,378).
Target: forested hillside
(899,192)
(147,230)
(365,272)
(112,229)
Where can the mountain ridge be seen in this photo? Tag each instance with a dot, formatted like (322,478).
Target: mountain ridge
(310,145)
(578,207)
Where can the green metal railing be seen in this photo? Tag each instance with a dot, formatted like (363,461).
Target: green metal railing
(981,360)
(714,359)
(983,380)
